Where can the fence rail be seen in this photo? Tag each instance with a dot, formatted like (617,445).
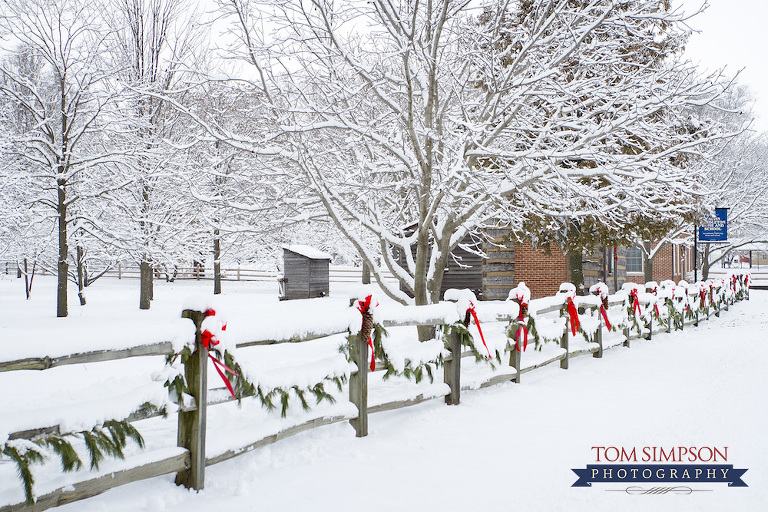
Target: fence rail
(189,460)
(339,274)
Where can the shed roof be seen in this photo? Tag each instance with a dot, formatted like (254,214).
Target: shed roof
(307,252)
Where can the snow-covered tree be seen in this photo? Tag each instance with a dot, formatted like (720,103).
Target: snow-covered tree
(58,82)
(155,39)
(415,123)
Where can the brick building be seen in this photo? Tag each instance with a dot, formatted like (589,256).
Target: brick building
(671,262)
(508,263)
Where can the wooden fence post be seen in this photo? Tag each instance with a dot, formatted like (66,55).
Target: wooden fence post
(564,344)
(627,332)
(650,323)
(358,384)
(599,334)
(192,424)
(452,369)
(515,357)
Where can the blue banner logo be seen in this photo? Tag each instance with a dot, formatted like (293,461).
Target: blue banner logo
(716,228)
(641,473)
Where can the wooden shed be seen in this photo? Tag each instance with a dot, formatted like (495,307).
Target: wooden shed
(305,273)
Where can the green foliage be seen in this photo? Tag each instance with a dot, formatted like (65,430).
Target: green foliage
(24,458)
(178,385)
(674,316)
(533,335)
(244,388)
(465,338)
(108,440)
(410,372)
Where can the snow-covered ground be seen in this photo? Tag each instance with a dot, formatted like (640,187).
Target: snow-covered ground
(509,447)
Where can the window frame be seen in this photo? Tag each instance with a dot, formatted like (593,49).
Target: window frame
(642,261)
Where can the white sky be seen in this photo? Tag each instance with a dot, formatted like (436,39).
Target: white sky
(734,36)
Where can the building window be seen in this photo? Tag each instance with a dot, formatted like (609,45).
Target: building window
(634,260)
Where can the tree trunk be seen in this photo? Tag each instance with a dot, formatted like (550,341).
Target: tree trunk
(647,262)
(576,270)
(27,283)
(576,259)
(420,295)
(145,284)
(63,266)
(80,274)
(216,262)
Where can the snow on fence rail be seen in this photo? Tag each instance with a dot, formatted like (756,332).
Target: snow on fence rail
(577,325)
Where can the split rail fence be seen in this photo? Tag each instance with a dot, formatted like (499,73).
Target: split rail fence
(189,464)
(338,274)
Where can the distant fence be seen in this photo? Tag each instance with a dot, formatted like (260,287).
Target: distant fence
(759,279)
(338,274)
(190,463)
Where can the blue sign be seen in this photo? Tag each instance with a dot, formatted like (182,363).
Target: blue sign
(715,229)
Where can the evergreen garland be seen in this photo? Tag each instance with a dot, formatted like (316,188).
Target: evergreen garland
(579,329)
(533,334)
(465,339)
(410,372)
(538,341)
(107,440)
(674,315)
(244,388)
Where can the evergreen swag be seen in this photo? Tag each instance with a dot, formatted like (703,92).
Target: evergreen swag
(244,388)
(533,334)
(107,440)
(465,338)
(674,316)
(410,372)
(632,318)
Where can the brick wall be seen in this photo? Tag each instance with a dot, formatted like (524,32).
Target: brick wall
(541,273)
(663,264)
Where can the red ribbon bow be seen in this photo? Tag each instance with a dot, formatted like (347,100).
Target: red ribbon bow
(635,302)
(472,312)
(362,307)
(573,313)
(703,298)
(208,339)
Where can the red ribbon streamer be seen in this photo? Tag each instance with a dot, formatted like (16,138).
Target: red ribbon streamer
(208,339)
(471,311)
(605,317)
(521,328)
(656,307)
(217,364)
(635,303)
(573,313)
(703,299)
(362,307)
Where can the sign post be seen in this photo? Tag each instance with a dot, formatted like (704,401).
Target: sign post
(695,252)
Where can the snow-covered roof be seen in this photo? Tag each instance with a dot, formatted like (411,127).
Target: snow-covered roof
(308,252)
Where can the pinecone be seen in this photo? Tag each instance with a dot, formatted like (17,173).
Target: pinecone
(367,328)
